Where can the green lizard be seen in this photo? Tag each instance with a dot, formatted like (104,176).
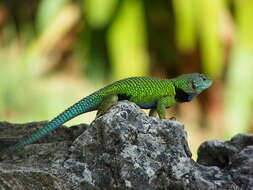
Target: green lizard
(148,93)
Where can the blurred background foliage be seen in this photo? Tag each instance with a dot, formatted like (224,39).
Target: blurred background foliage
(54,52)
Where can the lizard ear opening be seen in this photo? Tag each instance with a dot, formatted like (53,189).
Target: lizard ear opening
(182,96)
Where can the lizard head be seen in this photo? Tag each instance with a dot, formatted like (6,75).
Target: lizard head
(190,85)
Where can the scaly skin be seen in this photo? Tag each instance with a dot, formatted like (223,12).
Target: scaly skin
(148,93)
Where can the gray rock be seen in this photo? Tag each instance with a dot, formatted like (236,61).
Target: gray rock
(124,149)
(234,157)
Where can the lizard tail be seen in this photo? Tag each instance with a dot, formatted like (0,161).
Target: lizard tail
(86,104)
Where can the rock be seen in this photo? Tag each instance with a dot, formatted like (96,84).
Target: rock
(124,149)
(234,157)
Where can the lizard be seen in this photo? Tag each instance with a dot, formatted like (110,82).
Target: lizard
(148,93)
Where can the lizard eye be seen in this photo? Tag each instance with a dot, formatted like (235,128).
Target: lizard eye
(193,85)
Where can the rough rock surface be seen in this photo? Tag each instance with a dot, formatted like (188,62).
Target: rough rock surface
(124,149)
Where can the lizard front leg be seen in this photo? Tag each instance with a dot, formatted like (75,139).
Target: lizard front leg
(164,103)
(107,102)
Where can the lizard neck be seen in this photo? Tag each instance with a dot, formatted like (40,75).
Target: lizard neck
(180,94)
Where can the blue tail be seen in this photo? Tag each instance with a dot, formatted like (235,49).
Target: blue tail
(87,104)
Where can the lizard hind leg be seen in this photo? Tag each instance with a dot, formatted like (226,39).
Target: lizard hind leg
(107,102)
(152,112)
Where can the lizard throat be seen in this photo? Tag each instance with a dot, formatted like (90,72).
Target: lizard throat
(182,96)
